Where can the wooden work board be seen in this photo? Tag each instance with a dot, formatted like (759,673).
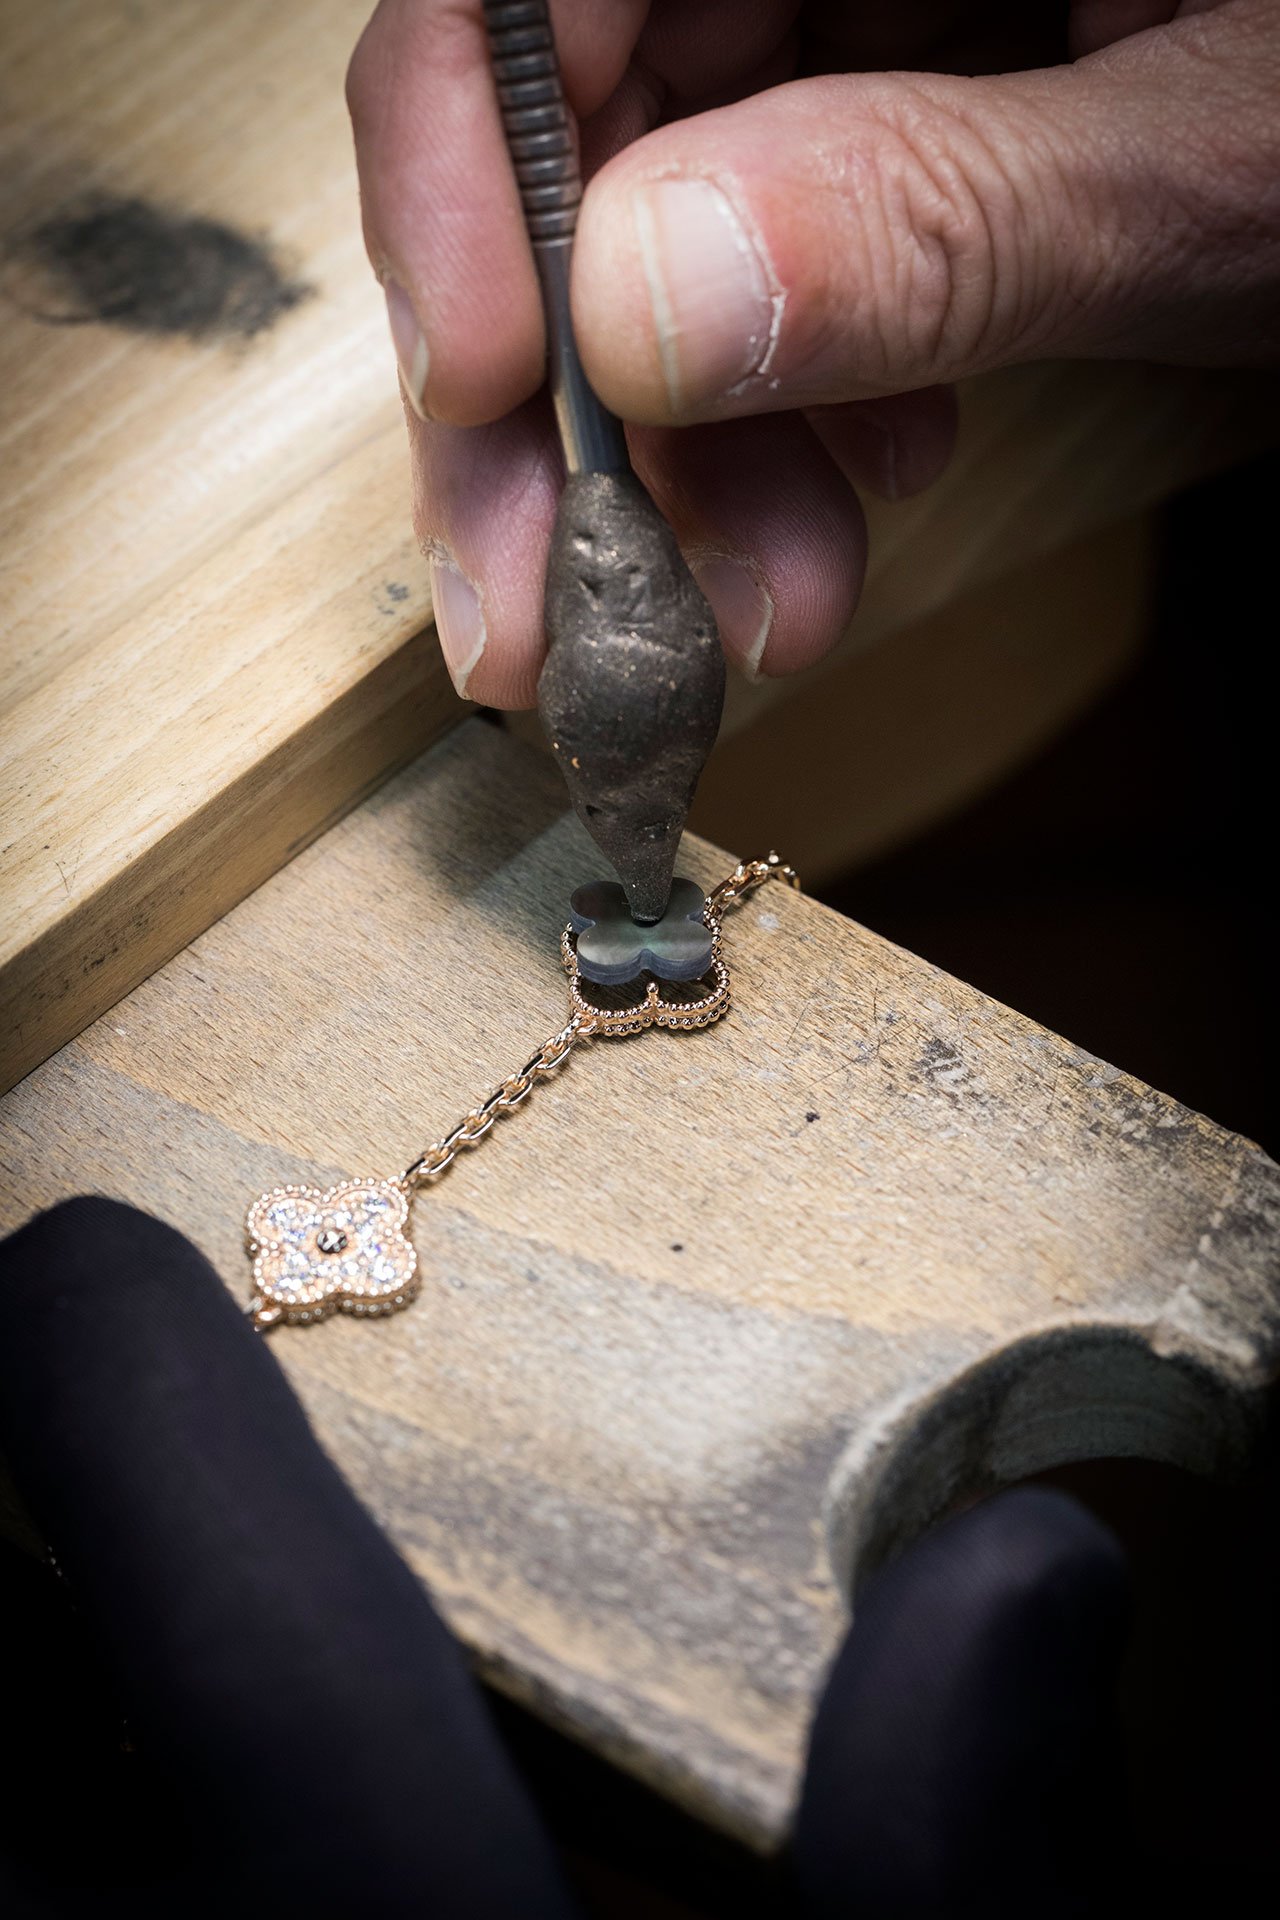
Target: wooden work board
(717,1320)
(216,622)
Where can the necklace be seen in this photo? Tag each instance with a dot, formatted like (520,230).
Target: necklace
(317,1251)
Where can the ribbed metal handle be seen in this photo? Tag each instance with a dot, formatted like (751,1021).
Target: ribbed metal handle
(535,117)
(540,142)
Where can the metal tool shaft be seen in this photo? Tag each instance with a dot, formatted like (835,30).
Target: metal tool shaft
(633,685)
(545,159)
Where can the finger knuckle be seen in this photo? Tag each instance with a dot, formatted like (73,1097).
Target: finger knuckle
(949,256)
(403,37)
(364,71)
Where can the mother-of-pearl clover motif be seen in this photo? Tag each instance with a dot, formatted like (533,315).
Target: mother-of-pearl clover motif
(604,948)
(318,1251)
(613,949)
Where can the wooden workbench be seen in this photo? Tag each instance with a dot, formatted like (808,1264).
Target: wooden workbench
(717,1320)
(720,1320)
(216,621)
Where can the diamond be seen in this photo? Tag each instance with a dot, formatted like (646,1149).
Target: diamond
(287,1219)
(294,1272)
(317,1249)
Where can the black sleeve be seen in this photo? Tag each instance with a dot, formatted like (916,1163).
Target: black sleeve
(965,1756)
(329,1751)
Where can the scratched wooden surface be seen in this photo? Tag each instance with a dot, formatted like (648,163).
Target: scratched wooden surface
(715,1321)
(216,619)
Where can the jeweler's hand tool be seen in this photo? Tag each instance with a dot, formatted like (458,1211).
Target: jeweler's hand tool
(633,686)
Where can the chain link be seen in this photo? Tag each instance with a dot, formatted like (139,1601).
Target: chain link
(746,876)
(473,1126)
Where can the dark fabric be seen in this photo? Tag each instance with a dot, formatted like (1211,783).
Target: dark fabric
(964,1757)
(313,1741)
(330,1750)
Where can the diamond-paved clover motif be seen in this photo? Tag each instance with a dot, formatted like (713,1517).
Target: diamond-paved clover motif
(319,1251)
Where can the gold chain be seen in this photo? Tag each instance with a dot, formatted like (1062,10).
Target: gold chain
(347,1248)
(473,1126)
(746,876)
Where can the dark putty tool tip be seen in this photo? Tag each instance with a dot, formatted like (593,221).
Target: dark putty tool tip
(614,949)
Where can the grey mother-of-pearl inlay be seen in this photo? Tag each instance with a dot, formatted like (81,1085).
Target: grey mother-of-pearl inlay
(613,949)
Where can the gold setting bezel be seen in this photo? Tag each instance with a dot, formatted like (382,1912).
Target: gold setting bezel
(304,1306)
(655,1010)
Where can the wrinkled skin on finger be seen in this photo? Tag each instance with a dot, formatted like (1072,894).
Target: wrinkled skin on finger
(802,224)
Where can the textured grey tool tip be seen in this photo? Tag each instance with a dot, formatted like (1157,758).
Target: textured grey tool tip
(633,687)
(613,949)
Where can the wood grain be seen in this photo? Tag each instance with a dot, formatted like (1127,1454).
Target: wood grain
(216,619)
(716,1321)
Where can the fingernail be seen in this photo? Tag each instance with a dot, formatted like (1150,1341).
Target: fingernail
(743,610)
(714,308)
(459,621)
(410,343)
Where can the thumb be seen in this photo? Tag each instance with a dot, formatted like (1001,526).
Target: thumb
(856,235)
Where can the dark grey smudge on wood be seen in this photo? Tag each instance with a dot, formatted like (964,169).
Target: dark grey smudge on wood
(122,261)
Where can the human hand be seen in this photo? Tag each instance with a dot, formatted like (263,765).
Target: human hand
(775,276)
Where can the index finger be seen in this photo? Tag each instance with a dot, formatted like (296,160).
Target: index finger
(441,212)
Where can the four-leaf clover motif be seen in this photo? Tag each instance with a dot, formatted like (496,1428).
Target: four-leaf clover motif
(613,948)
(321,1250)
